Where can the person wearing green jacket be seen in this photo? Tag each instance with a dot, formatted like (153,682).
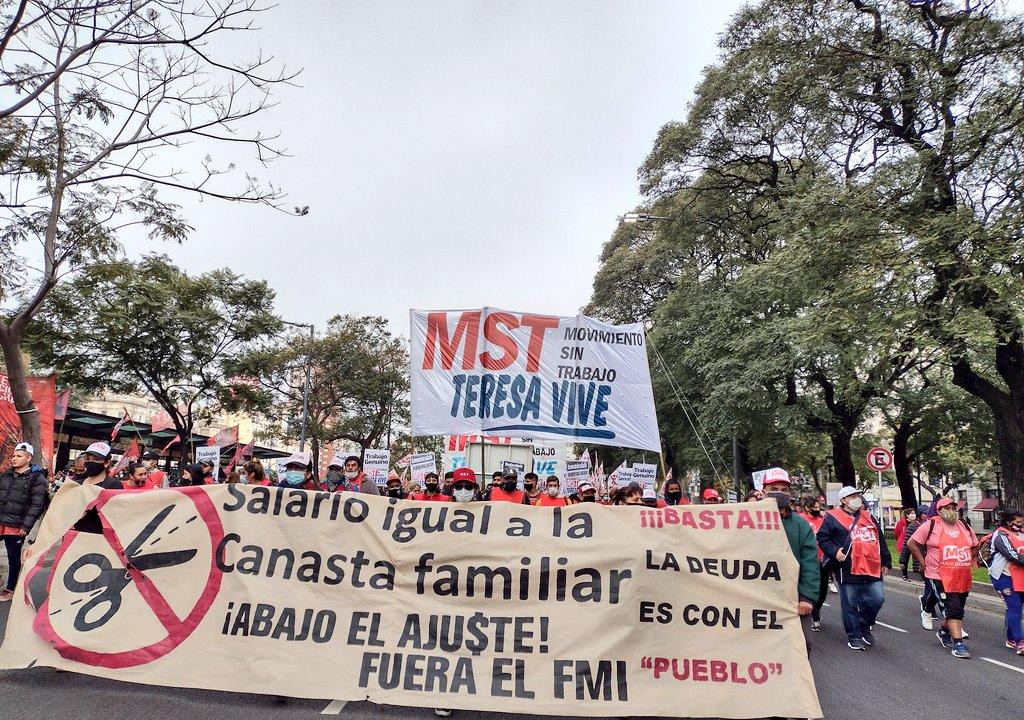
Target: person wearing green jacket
(801,541)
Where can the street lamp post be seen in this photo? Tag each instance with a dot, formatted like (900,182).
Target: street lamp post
(305,388)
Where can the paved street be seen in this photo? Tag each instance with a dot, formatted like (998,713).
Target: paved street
(907,676)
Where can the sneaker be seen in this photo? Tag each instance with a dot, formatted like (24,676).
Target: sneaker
(960,650)
(945,638)
(965,634)
(816,627)
(1020,648)
(442,712)
(926,620)
(832,587)
(868,638)
(856,644)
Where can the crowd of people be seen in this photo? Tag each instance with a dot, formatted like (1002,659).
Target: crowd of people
(842,549)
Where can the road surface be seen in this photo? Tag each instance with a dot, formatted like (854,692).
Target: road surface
(907,676)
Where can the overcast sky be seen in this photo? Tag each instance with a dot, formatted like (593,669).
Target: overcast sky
(455,154)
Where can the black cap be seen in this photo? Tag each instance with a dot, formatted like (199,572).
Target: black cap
(151,455)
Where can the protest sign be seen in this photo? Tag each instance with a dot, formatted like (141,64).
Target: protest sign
(211,454)
(377,463)
(591,611)
(758,479)
(576,471)
(539,376)
(548,458)
(420,464)
(44,392)
(645,474)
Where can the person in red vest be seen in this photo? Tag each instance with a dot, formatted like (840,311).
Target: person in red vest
(674,493)
(552,496)
(951,548)
(815,518)
(431,490)
(137,478)
(508,491)
(157,477)
(853,538)
(1006,568)
(531,483)
(586,492)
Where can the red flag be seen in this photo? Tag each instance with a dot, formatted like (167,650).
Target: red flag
(130,455)
(60,404)
(240,454)
(174,440)
(117,428)
(228,436)
(161,421)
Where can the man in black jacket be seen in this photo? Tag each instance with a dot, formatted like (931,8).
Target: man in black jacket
(853,539)
(22,500)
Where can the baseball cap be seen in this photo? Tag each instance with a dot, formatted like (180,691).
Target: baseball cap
(848,491)
(25,448)
(649,494)
(584,486)
(944,502)
(776,475)
(464,474)
(151,455)
(510,474)
(299,458)
(99,449)
(711,494)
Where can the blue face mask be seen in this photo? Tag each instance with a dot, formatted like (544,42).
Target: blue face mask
(293,478)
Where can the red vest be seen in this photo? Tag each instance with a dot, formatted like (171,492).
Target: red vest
(546,500)
(436,497)
(865,553)
(499,495)
(815,523)
(158,478)
(534,499)
(956,558)
(1016,571)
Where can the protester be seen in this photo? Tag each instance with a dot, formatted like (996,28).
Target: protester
(710,496)
(449,478)
(95,467)
(413,488)
(587,492)
(209,475)
(432,491)
(22,501)
(674,493)
(191,474)
(531,486)
(1006,568)
(298,473)
(137,478)
(495,482)
(157,477)
(815,518)
(803,544)
(393,487)
(355,480)
(852,537)
(552,496)
(233,477)
(952,547)
(508,490)
(914,518)
(464,486)
(335,475)
(632,494)
(253,474)
(907,515)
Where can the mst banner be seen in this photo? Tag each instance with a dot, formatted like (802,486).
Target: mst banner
(495,372)
(581,610)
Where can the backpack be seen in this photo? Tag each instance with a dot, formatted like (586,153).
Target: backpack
(985,548)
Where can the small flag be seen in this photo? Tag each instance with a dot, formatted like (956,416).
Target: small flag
(228,436)
(120,423)
(161,421)
(174,441)
(130,455)
(240,454)
(585,457)
(404,461)
(60,404)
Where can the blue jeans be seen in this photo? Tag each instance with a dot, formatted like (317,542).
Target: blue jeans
(861,603)
(1014,607)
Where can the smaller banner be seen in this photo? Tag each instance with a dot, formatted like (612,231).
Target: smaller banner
(376,464)
(549,459)
(576,471)
(645,474)
(210,453)
(420,464)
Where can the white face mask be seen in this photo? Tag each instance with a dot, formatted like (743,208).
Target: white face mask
(243,478)
(553,491)
(855,504)
(463,495)
(351,474)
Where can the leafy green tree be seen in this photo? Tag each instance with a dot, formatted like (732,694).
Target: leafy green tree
(147,327)
(99,97)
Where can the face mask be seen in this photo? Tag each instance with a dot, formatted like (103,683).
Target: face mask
(674,495)
(948,515)
(816,512)
(588,498)
(334,478)
(911,518)
(432,487)
(1017,528)
(781,500)
(553,492)
(93,468)
(463,495)
(351,474)
(855,504)
(509,485)
(243,478)
(395,492)
(294,477)
(529,486)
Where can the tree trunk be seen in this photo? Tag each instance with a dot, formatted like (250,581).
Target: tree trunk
(842,457)
(902,464)
(28,414)
(1009,426)
(314,447)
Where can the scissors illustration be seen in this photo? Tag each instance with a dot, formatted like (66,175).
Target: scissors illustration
(113,580)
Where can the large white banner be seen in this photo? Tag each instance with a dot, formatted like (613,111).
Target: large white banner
(573,379)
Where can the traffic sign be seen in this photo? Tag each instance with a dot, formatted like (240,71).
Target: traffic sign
(879,459)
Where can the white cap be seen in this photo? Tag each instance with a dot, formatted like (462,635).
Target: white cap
(25,448)
(101,449)
(775,475)
(649,494)
(848,491)
(299,458)
(584,486)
